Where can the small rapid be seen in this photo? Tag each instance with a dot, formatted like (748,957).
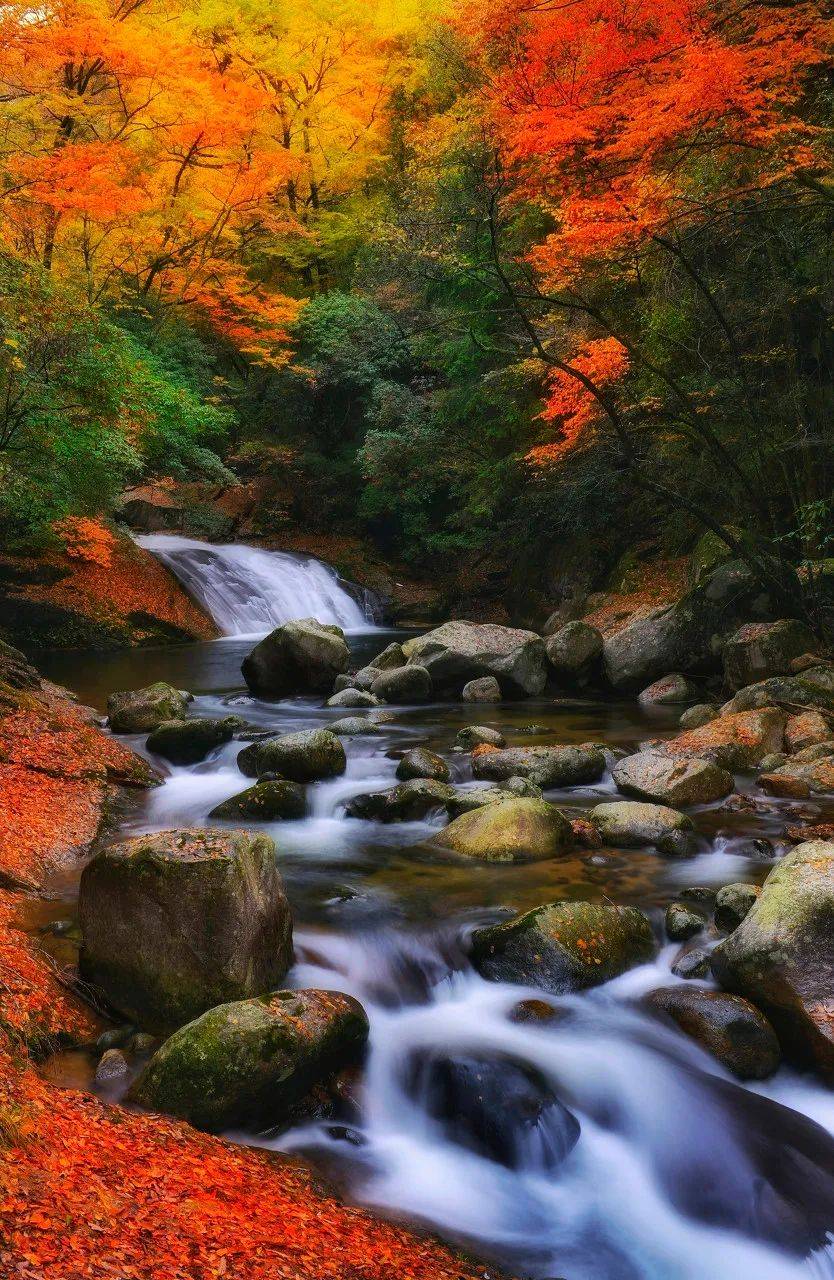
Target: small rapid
(248,591)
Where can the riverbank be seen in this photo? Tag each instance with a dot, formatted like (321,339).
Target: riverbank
(91,1190)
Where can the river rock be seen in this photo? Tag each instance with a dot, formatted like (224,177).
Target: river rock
(545,766)
(303,656)
(651,775)
(813,689)
(564,946)
(113,1069)
(266,801)
(189,741)
(175,922)
(143,710)
(352,697)
(484,689)
(361,679)
(808,729)
(458,652)
(729,1027)
(574,652)
(516,830)
(409,802)
(252,1063)
(781,956)
(306,756)
(473,735)
(669,691)
(732,903)
(739,741)
(420,763)
(353,726)
(699,715)
(493,1106)
(392,656)
(810,772)
(692,964)
(403,685)
(627,823)
(682,922)
(642,650)
(762,649)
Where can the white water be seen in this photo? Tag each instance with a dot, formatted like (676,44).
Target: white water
(248,591)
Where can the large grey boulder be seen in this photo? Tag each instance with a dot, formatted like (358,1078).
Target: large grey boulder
(143,710)
(403,685)
(641,651)
(516,830)
(458,652)
(759,650)
(175,922)
(254,1062)
(650,775)
(781,956)
(631,823)
(303,656)
(564,946)
(189,741)
(546,766)
(306,756)
(574,652)
(729,1027)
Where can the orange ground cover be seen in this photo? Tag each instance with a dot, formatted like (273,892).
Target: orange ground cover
(95,1192)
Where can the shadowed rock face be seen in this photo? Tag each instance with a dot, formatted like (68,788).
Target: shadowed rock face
(299,657)
(781,956)
(178,921)
(459,652)
(762,649)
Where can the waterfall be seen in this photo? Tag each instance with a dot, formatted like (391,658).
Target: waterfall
(248,591)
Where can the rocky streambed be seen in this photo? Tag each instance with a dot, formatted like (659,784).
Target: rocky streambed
(500,948)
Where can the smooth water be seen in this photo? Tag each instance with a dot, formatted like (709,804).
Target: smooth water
(678,1173)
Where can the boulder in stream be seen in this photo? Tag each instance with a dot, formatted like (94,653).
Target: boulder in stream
(421,763)
(253,1063)
(484,689)
(729,1027)
(669,691)
(403,685)
(629,823)
(458,652)
(353,697)
(177,921)
(266,802)
(564,946)
(143,710)
(189,741)
(516,830)
(303,656)
(652,775)
(409,802)
(574,653)
(739,741)
(306,756)
(546,766)
(763,649)
(474,735)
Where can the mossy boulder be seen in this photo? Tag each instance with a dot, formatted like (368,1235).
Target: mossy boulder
(781,956)
(458,652)
(682,921)
(631,823)
(513,788)
(732,903)
(354,726)
(303,656)
(306,756)
(409,802)
(762,649)
(403,685)
(808,729)
(189,741)
(143,710)
(699,715)
(474,735)
(352,697)
(266,802)
(177,921)
(808,773)
(392,656)
(253,1063)
(546,766)
(517,830)
(729,1027)
(421,763)
(651,775)
(564,946)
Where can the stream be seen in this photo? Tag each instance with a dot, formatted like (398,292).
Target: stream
(679,1172)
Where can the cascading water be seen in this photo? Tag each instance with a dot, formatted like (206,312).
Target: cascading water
(248,591)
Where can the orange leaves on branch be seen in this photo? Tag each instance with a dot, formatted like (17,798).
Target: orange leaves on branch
(571,402)
(86,539)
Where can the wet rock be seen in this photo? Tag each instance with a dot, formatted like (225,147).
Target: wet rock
(189,741)
(536,1011)
(361,679)
(650,775)
(143,1043)
(484,689)
(727,1026)
(114,1038)
(682,922)
(409,802)
(113,1069)
(473,735)
(392,656)
(805,774)
(814,688)
(564,946)
(702,894)
(266,801)
(773,761)
(458,652)
(692,964)
(517,830)
(352,697)
(669,691)
(628,823)
(303,656)
(738,741)
(177,921)
(699,715)
(466,801)
(420,763)
(781,956)
(253,1062)
(353,726)
(494,1106)
(143,710)
(545,766)
(403,685)
(306,756)
(764,649)
(574,652)
(732,903)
